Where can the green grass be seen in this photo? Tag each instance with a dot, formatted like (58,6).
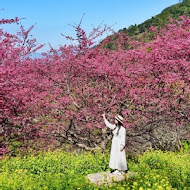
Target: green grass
(62,170)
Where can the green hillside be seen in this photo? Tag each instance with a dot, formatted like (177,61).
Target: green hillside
(158,21)
(161,19)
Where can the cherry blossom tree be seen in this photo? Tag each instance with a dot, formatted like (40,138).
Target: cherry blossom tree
(62,96)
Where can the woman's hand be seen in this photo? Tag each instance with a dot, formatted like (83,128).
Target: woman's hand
(122,148)
(103,115)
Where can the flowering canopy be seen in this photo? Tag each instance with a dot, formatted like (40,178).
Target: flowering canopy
(148,83)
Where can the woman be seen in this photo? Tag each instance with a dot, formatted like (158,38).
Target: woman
(117,156)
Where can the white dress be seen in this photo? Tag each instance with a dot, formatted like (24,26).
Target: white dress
(117,157)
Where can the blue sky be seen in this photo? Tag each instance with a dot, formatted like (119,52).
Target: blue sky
(52,17)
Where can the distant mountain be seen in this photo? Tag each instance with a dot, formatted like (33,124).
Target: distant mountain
(158,21)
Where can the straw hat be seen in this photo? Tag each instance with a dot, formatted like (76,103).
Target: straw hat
(119,118)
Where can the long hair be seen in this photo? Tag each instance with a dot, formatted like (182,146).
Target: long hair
(119,126)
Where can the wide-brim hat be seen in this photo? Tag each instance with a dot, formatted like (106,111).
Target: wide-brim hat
(119,118)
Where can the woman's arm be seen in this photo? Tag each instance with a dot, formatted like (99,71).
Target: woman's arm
(123,136)
(108,124)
